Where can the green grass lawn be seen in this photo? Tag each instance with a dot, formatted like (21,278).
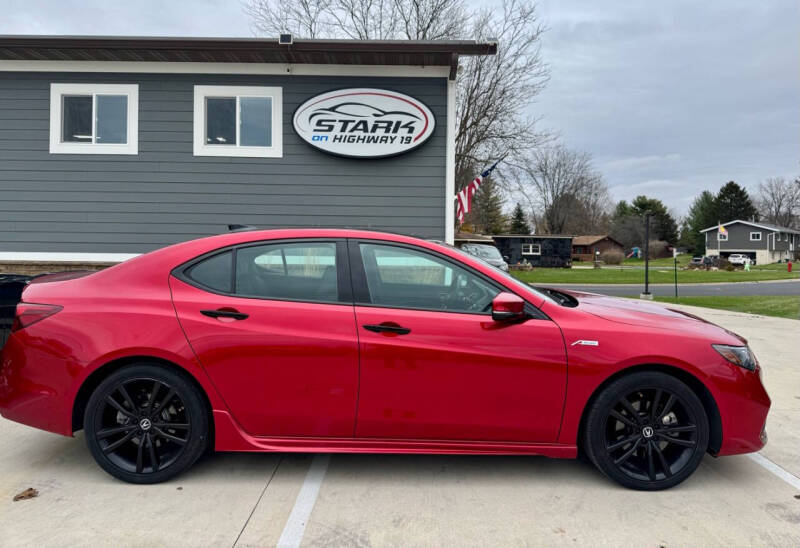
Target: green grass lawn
(779,306)
(658,275)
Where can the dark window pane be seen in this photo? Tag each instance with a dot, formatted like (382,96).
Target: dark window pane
(112,119)
(214,272)
(402,277)
(221,121)
(76,123)
(303,271)
(256,128)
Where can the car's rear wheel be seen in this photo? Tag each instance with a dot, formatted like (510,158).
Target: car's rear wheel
(146,424)
(647,431)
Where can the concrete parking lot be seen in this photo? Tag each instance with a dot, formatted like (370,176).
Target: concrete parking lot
(401,500)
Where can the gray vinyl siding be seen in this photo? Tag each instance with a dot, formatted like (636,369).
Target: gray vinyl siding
(163,195)
(738,238)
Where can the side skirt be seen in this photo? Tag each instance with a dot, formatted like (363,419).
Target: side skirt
(229,437)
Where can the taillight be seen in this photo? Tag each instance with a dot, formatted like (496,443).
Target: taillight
(29,313)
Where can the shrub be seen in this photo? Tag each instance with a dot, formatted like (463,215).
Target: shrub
(612,257)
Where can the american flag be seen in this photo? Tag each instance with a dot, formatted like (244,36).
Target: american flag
(464,196)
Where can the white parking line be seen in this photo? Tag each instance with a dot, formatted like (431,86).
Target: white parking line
(295,527)
(786,476)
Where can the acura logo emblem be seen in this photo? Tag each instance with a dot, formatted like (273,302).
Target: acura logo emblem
(648,432)
(145,424)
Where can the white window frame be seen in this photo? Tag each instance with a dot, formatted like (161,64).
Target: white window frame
(752,239)
(530,249)
(58,91)
(722,237)
(201,93)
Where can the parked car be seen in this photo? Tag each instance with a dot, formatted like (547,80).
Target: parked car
(696,261)
(488,253)
(356,341)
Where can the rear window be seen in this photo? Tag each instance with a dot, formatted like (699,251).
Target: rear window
(215,272)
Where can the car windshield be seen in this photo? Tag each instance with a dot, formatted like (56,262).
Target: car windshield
(508,278)
(483,251)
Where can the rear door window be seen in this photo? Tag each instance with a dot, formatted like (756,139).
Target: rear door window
(305,271)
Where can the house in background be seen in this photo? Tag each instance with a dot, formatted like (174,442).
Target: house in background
(537,249)
(762,242)
(585,247)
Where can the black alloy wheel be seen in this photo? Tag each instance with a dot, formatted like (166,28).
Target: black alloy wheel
(647,431)
(146,424)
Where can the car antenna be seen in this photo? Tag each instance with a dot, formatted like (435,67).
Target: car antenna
(240,228)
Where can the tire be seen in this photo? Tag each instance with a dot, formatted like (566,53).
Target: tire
(653,442)
(146,423)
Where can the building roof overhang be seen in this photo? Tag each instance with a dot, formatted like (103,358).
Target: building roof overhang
(772,228)
(443,53)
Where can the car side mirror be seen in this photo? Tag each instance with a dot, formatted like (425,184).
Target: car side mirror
(507,307)
(505,258)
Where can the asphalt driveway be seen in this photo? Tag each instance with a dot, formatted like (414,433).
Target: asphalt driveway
(397,500)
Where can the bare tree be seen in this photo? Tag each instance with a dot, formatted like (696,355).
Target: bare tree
(494,92)
(564,191)
(360,19)
(306,18)
(778,201)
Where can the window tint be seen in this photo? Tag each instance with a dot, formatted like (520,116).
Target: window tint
(214,272)
(298,271)
(112,119)
(402,277)
(77,119)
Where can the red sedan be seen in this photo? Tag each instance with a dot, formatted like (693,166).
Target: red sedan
(353,341)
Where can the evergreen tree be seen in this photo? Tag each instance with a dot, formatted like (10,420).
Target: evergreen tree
(702,215)
(488,209)
(663,225)
(519,224)
(628,222)
(733,202)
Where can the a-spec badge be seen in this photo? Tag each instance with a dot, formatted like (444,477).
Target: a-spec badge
(583,342)
(364,122)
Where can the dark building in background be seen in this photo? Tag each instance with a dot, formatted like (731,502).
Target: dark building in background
(537,250)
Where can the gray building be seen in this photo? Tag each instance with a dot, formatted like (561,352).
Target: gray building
(762,242)
(111,147)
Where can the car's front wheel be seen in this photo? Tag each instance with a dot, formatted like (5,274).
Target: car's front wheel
(146,424)
(647,431)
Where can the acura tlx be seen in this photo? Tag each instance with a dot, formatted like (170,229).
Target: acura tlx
(313,340)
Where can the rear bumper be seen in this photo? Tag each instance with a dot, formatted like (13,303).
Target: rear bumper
(32,385)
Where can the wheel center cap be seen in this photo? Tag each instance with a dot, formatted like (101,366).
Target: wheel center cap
(648,432)
(145,424)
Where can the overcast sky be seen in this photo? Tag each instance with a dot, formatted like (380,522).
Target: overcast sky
(670,97)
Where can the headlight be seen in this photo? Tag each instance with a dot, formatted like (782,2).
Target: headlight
(739,355)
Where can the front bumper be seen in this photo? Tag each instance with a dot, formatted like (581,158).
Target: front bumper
(743,409)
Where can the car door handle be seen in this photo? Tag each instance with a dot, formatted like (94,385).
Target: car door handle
(388,328)
(225,313)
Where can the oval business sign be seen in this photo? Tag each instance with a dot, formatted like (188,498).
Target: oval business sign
(364,122)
